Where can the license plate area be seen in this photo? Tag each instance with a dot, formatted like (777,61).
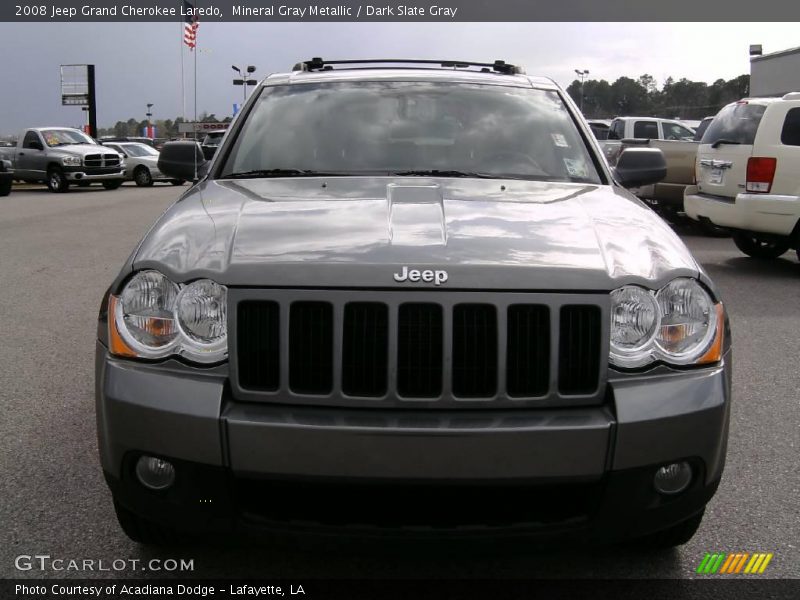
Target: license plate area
(715,176)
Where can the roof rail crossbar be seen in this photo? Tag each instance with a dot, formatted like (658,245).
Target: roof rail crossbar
(499,66)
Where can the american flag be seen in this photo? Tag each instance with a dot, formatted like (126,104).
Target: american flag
(191,25)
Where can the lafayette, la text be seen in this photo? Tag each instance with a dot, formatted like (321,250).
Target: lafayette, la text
(364,10)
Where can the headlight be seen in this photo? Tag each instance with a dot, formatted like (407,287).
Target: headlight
(201,309)
(155,318)
(679,324)
(689,321)
(71,161)
(634,321)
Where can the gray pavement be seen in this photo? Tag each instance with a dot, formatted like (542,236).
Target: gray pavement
(58,253)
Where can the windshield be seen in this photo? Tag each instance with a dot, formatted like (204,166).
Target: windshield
(735,124)
(138,150)
(410,128)
(62,137)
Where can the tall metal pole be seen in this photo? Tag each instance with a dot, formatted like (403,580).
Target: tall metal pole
(92,101)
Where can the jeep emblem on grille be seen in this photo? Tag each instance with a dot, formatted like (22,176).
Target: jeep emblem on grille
(428,276)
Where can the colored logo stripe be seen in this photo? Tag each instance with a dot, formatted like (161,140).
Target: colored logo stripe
(734,563)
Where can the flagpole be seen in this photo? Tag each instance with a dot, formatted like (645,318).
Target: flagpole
(183,76)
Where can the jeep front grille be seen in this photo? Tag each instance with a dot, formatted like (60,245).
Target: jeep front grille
(371,348)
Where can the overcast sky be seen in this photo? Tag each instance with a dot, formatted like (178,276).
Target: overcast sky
(139,63)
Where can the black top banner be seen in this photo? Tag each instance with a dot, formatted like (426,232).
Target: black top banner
(401,11)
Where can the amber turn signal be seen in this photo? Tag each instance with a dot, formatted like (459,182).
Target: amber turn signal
(714,353)
(116,344)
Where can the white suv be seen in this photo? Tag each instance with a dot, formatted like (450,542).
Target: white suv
(748,175)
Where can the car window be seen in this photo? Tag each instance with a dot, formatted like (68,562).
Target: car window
(673,131)
(790,134)
(138,150)
(386,128)
(29,139)
(617,130)
(736,123)
(63,137)
(645,129)
(701,129)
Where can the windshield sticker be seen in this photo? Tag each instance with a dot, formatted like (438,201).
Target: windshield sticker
(51,139)
(559,140)
(575,168)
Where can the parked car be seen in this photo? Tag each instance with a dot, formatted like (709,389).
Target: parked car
(599,128)
(60,156)
(6,177)
(211,142)
(142,163)
(748,175)
(139,140)
(651,128)
(443,294)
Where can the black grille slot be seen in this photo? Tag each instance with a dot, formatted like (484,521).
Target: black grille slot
(474,350)
(419,350)
(579,349)
(111,160)
(365,349)
(93,160)
(311,348)
(528,350)
(257,345)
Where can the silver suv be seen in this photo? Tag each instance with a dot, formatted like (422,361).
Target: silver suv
(412,298)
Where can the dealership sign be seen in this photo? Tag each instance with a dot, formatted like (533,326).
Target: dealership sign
(198,127)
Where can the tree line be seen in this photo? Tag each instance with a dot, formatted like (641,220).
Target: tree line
(165,128)
(682,99)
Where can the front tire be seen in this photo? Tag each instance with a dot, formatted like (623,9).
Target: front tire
(5,187)
(756,247)
(177,181)
(56,181)
(142,177)
(112,185)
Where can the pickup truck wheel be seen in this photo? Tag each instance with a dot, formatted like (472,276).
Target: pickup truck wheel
(177,181)
(56,182)
(677,535)
(754,246)
(142,177)
(146,532)
(5,187)
(113,184)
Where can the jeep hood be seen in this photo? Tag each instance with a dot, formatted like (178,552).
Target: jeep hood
(357,232)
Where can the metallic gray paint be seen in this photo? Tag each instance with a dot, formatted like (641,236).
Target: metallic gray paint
(301,233)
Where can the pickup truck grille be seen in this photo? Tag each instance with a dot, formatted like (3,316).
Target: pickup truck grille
(101,160)
(425,348)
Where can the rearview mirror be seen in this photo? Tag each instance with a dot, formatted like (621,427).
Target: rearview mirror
(640,166)
(182,160)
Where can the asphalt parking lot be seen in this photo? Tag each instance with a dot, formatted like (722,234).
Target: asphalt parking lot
(59,252)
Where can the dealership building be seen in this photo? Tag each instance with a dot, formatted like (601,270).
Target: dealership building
(774,74)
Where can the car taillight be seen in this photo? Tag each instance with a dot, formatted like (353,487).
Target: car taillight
(760,173)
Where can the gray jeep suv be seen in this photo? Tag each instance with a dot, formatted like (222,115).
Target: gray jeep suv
(412,299)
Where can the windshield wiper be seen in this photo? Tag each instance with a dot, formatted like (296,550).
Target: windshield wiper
(718,143)
(444,173)
(259,173)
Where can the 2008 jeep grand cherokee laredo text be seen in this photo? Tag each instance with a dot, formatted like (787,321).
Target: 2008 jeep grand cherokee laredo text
(409,299)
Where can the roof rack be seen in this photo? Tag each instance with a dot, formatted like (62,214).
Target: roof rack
(498,66)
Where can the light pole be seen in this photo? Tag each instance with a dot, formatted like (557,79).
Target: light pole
(582,76)
(244,81)
(149,115)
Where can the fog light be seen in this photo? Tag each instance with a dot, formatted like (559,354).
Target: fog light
(673,478)
(155,473)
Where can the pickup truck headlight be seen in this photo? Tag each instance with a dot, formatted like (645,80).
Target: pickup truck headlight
(72,161)
(155,318)
(679,324)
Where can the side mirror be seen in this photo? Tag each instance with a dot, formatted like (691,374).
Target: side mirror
(640,166)
(182,160)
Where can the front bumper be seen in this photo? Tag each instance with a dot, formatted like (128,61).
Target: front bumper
(587,470)
(767,213)
(77,174)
